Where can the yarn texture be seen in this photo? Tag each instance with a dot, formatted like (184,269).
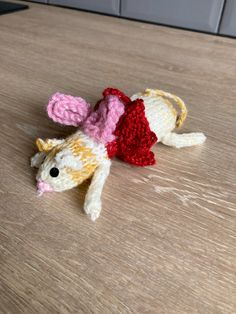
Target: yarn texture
(101,124)
(68,110)
(118,126)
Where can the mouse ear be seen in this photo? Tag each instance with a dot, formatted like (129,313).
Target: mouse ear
(68,110)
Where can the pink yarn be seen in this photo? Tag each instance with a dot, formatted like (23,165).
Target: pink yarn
(43,187)
(68,110)
(101,123)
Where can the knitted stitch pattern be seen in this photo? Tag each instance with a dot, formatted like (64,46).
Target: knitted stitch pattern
(101,123)
(68,110)
(133,136)
(118,126)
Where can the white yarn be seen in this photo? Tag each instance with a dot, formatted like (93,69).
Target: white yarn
(37,159)
(93,204)
(162,117)
(183,140)
(98,149)
(65,158)
(159,115)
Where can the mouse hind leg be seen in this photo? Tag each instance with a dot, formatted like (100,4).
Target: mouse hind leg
(183,140)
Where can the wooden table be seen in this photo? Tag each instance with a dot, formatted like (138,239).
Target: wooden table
(165,242)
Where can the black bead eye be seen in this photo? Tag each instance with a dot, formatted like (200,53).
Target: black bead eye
(54,172)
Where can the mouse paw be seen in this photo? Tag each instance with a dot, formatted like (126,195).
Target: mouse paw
(93,209)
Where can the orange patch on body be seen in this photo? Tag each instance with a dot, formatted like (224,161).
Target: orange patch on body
(87,157)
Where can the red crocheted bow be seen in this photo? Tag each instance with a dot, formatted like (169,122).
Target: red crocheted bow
(134,138)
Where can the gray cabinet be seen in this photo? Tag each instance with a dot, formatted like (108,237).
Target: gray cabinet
(104,6)
(228,24)
(202,15)
(41,1)
(194,14)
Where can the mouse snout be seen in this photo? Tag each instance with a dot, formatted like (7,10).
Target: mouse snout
(43,187)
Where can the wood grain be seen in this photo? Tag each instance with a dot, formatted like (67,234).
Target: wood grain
(165,242)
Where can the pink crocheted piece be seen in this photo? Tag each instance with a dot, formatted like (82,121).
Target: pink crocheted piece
(68,110)
(43,187)
(101,123)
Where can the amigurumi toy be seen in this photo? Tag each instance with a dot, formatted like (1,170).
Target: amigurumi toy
(121,126)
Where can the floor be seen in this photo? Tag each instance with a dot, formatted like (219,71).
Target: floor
(165,242)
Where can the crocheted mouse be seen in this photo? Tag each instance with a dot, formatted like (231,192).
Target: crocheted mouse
(118,126)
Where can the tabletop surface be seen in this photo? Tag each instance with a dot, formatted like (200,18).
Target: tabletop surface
(165,241)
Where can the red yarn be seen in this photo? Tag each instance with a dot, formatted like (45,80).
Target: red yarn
(115,92)
(134,138)
(112,149)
